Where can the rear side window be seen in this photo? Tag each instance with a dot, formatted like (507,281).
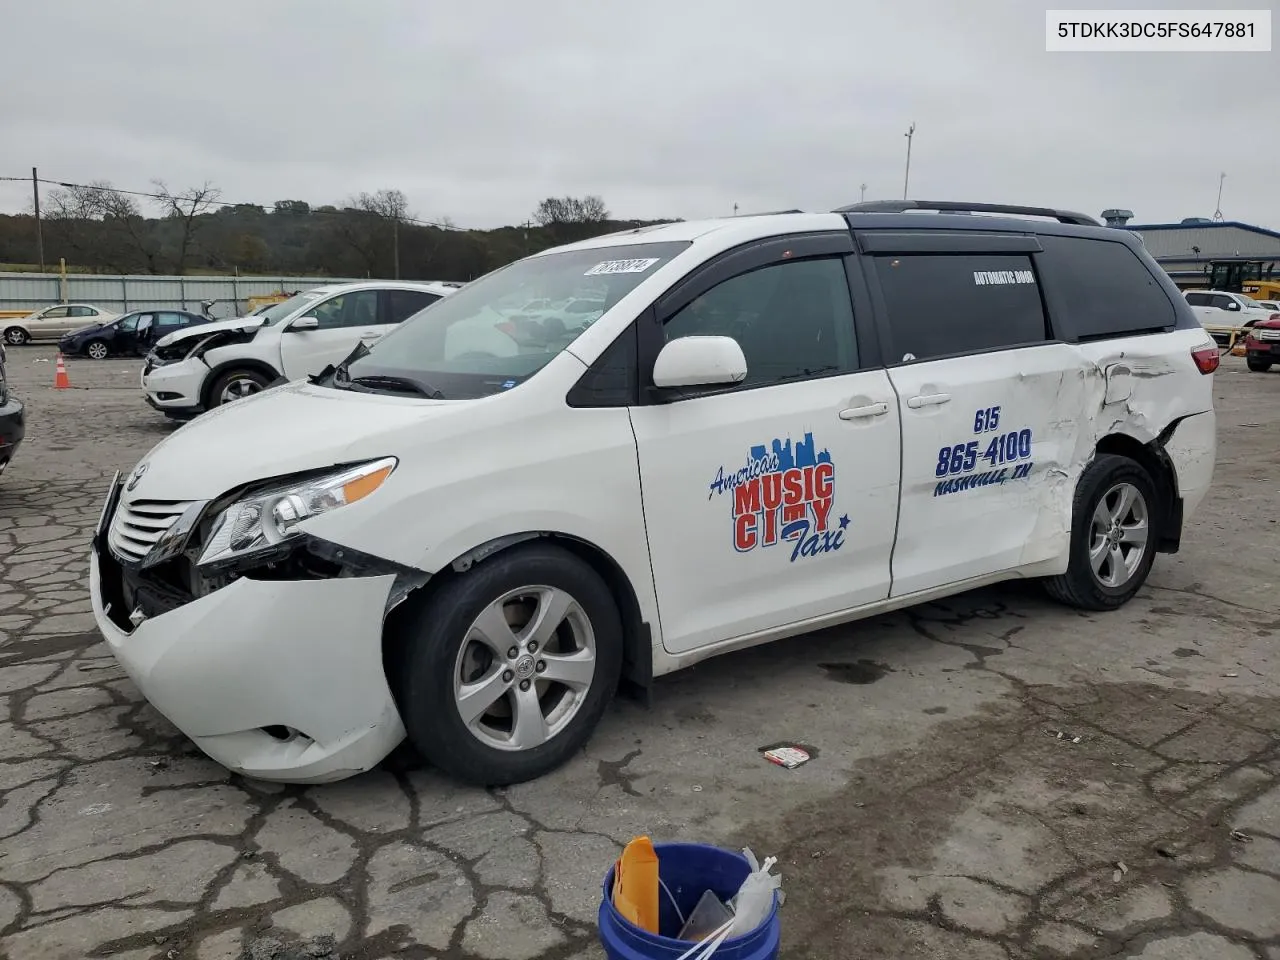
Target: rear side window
(402,304)
(1199,299)
(945,304)
(1104,289)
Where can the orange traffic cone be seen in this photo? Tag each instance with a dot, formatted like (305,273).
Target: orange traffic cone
(60,379)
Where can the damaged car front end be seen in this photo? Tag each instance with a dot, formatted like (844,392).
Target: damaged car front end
(177,371)
(215,608)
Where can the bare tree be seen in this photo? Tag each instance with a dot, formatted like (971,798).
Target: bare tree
(185,207)
(367,220)
(555,211)
(99,220)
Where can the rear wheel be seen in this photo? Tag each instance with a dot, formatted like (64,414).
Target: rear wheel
(96,350)
(236,385)
(1114,531)
(1258,366)
(16,336)
(503,672)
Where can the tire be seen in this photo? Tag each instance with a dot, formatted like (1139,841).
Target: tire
(1258,366)
(1114,583)
(235,385)
(16,336)
(437,650)
(96,350)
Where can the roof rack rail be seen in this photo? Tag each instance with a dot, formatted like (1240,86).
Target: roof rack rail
(955,206)
(767,213)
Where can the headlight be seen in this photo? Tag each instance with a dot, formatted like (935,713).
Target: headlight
(260,522)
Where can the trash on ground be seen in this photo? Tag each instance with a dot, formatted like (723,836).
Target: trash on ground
(1063,735)
(1239,837)
(1119,873)
(787,755)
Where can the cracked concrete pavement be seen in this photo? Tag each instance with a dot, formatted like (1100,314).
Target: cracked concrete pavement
(942,816)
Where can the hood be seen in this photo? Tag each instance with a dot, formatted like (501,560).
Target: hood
(280,431)
(91,328)
(204,329)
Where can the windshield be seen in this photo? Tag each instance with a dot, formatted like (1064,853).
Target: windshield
(502,329)
(283,309)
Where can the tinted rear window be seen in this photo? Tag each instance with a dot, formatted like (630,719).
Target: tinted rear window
(940,305)
(1103,289)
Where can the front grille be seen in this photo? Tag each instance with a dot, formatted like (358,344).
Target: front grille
(138,525)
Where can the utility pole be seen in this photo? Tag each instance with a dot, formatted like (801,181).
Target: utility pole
(395,242)
(735,209)
(35,190)
(1217,213)
(907,177)
(863,197)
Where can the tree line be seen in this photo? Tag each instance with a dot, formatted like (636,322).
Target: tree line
(98,228)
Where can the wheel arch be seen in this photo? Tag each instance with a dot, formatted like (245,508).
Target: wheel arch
(17,326)
(239,363)
(1152,458)
(637,636)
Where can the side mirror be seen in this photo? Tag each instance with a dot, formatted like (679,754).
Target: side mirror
(305,323)
(699,362)
(1232,305)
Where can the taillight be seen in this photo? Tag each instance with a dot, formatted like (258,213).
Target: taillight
(1206,359)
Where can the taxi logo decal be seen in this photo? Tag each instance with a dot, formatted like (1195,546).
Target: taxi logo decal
(783,494)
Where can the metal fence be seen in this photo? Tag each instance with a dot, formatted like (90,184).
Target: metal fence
(122,293)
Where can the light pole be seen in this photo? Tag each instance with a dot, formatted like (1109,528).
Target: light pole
(863,197)
(907,177)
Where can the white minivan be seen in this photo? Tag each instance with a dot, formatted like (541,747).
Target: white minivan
(482,526)
(199,368)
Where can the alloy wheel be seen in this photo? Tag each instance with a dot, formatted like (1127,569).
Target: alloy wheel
(525,668)
(1118,535)
(97,351)
(238,389)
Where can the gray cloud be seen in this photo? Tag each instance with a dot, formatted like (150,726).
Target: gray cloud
(663,108)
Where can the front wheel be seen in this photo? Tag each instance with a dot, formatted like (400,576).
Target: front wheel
(503,673)
(1114,531)
(96,350)
(1258,366)
(16,336)
(236,385)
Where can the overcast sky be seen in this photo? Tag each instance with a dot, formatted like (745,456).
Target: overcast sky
(477,110)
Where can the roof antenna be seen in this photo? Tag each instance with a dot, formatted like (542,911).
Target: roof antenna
(1217,214)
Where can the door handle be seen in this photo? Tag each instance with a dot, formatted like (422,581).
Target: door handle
(870,410)
(928,400)
(370,335)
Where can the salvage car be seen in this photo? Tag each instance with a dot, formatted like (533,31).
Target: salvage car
(129,335)
(476,533)
(12,419)
(192,371)
(1262,345)
(54,322)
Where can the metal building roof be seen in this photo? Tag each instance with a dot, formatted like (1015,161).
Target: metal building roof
(1174,241)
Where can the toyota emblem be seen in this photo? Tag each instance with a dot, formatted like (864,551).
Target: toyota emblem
(137,475)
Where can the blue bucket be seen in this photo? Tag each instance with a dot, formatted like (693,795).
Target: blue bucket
(688,870)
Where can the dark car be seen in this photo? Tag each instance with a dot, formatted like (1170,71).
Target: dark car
(11,420)
(131,334)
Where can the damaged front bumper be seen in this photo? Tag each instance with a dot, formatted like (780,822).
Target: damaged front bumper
(274,673)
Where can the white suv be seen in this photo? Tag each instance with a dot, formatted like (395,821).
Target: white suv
(483,525)
(203,367)
(1219,311)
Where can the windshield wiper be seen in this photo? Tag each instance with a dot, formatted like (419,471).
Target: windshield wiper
(396,384)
